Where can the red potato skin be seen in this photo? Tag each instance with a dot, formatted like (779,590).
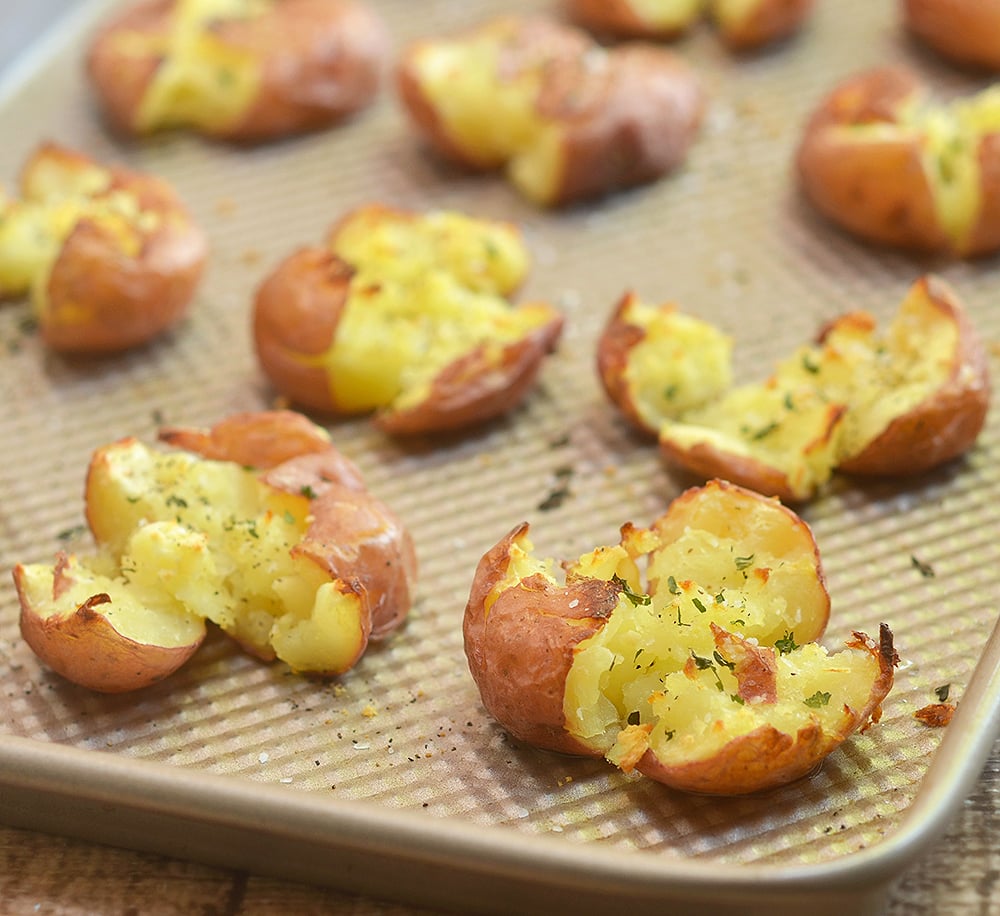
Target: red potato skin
(967,32)
(626,128)
(85,649)
(321,61)
(259,439)
(616,341)
(476,387)
(879,190)
(767,758)
(521,648)
(707,461)
(102,300)
(296,313)
(948,423)
(876,189)
(355,537)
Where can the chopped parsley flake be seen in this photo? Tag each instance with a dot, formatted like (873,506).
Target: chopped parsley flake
(744,562)
(818,699)
(787,643)
(631,595)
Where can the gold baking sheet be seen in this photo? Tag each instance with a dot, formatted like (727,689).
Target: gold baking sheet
(395,768)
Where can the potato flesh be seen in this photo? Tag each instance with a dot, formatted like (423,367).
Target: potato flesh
(426,291)
(696,715)
(57,195)
(201,81)
(791,429)
(785,422)
(253,588)
(508,131)
(457,75)
(668,15)
(146,612)
(681,362)
(700,579)
(729,13)
(883,376)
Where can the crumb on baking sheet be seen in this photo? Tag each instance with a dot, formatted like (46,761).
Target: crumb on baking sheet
(935,715)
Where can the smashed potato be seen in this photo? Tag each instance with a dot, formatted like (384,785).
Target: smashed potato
(109,257)
(258,525)
(742,24)
(685,652)
(881,159)
(237,69)
(966,32)
(406,315)
(567,119)
(893,403)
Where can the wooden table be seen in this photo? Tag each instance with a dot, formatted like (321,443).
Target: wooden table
(52,875)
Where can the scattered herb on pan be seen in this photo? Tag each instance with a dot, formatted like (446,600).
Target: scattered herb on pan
(942,692)
(925,569)
(68,534)
(560,492)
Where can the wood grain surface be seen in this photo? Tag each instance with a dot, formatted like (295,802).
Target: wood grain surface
(55,876)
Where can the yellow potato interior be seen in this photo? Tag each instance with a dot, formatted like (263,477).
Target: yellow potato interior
(147,615)
(748,580)
(793,429)
(248,582)
(881,376)
(426,291)
(681,362)
(694,714)
(457,76)
(667,14)
(58,193)
(730,13)
(202,81)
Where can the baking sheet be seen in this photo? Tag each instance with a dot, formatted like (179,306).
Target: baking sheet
(397,760)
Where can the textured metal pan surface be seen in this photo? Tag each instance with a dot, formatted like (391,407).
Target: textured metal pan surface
(728,239)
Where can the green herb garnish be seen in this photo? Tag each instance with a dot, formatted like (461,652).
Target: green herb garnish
(787,643)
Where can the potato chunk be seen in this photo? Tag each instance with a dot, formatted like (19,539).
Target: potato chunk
(567,119)
(884,160)
(686,651)
(109,256)
(406,315)
(237,69)
(293,559)
(894,403)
